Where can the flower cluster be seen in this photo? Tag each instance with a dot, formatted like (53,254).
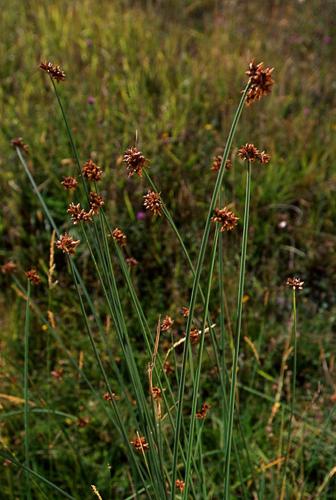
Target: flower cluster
(295,283)
(226,218)
(119,236)
(67,244)
(54,71)
(153,203)
(135,161)
(260,80)
(96,202)
(131,261)
(139,443)
(91,171)
(195,336)
(8,267)
(69,183)
(166,324)
(33,276)
(203,413)
(185,311)
(156,393)
(17,142)
(250,153)
(217,161)
(179,485)
(78,214)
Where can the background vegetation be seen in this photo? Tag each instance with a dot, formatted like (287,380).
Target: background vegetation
(169,75)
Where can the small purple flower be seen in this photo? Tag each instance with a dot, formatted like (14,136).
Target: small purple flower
(91,100)
(141,215)
(327,39)
(306,111)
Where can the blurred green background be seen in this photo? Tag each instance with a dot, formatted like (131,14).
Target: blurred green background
(168,74)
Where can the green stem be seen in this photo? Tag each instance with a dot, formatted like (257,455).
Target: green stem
(26,391)
(196,283)
(238,332)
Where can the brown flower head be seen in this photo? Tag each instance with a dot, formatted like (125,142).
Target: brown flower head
(108,397)
(119,236)
(135,161)
(203,413)
(132,262)
(250,153)
(17,142)
(8,267)
(69,183)
(140,443)
(57,374)
(195,336)
(217,161)
(168,368)
(33,276)
(91,171)
(55,72)
(83,421)
(78,214)
(156,393)
(295,283)
(166,324)
(96,202)
(260,80)
(185,311)
(67,244)
(226,218)
(179,484)
(153,202)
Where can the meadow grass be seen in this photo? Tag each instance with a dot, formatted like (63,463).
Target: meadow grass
(170,87)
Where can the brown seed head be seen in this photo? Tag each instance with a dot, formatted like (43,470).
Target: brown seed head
(8,267)
(185,311)
(195,336)
(168,368)
(135,161)
(156,393)
(250,153)
(54,71)
(216,163)
(91,171)
(179,484)
(78,214)
(69,183)
(119,236)
(132,262)
(203,413)
(261,82)
(140,443)
(17,142)
(67,244)
(226,218)
(83,421)
(33,276)
(295,283)
(153,202)
(96,202)
(166,324)
(108,397)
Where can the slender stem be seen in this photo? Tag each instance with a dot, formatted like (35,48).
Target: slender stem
(292,406)
(238,332)
(26,391)
(195,286)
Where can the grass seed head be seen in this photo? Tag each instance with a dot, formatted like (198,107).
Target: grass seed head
(33,276)
(226,218)
(67,244)
(96,202)
(8,267)
(139,443)
(135,161)
(17,142)
(261,82)
(153,203)
(54,71)
(166,324)
(91,171)
(119,236)
(295,283)
(69,183)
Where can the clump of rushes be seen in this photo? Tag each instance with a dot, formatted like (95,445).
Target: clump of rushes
(295,283)
(17,142)
(217,161)
(153,203)
(96,202)
(226,218)
(69,183)
(33,276)
(119,236)
(8,267)
(78,214)
(67,244)
(166,324)
(91,171)
(53,70)
(179,485)
(135,161)
(139,443)
(261,82)
(250,153)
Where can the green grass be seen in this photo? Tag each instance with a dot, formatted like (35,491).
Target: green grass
(169,76)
